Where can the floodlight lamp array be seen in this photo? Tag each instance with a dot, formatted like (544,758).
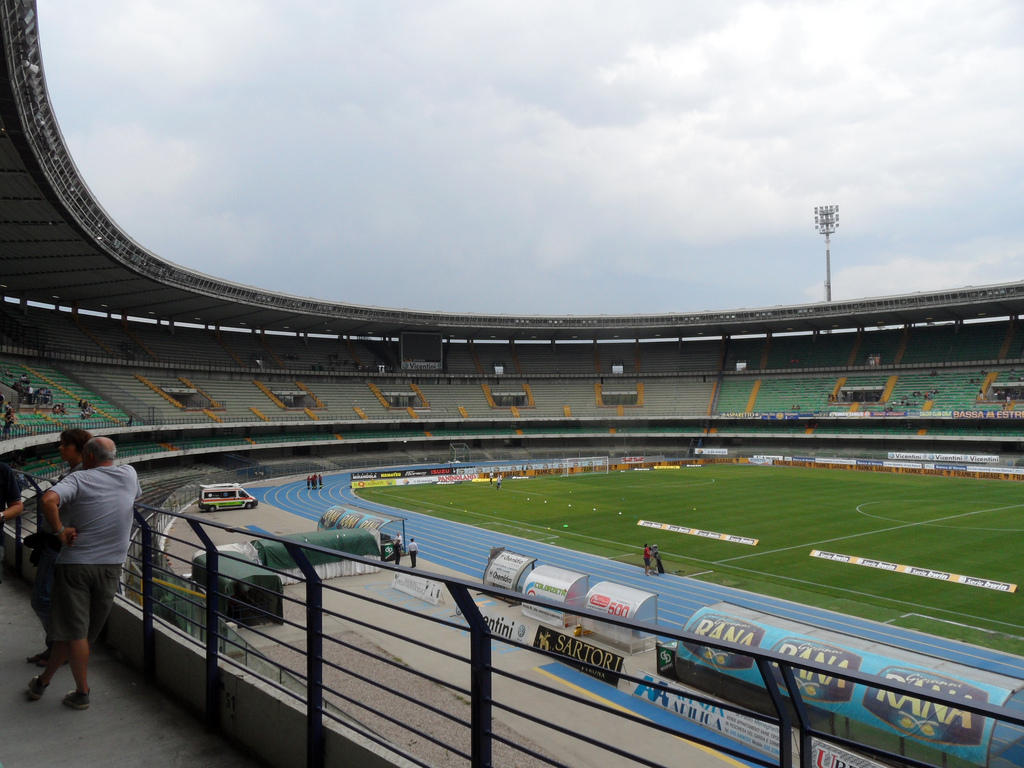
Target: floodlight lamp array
(826,219)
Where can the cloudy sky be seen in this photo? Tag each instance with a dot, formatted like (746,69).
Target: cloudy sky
(561,157)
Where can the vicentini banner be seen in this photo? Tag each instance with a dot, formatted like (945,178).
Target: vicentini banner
(913,570)
(967,458)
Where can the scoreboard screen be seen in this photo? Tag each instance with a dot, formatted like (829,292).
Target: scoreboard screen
(422,351)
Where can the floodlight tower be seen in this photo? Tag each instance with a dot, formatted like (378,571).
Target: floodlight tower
(826,221)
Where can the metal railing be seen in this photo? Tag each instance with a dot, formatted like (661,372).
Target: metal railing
(336,652)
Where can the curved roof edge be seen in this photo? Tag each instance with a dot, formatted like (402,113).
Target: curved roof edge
(131,280)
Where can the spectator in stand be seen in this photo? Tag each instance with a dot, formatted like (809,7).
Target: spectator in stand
(44,554)
(10,497)
(97,505)
(9,420)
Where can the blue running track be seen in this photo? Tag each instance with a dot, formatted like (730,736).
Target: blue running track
(464,548)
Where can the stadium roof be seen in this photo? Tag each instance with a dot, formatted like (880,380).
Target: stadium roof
(58,246)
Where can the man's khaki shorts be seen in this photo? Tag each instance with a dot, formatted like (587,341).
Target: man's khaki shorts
(82,598)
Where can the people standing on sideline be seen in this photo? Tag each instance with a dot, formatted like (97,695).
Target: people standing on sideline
(91,512)
(413,549)
(44,555)
(656,557)
(320,478)
(647,560)
(398,549)
(10,497)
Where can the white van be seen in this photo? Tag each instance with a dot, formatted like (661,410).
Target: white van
(224,496)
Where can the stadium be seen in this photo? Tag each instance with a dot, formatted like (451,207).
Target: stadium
(202,381)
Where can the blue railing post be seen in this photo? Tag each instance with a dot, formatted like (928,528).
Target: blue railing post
(148,636)
(314,658)
(213,682)
(480,676)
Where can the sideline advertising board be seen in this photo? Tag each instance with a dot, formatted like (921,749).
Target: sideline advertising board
(506,569)
(567,589)
(968,458)
(762,736)
(748,540)
(344,517)
(579,653)
(425,589)
(913,570)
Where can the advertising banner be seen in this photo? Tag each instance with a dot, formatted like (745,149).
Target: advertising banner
(371,483)
(578,653)
(825,755)
(988,414)
(758,734)
(969,458)
(945,728)
(344,517)
(424,589)
(567,589)
(698,532)
(607,598)
(913,570)
(505,569)
(711,451)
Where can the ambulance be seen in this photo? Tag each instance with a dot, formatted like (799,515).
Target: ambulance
(224,496)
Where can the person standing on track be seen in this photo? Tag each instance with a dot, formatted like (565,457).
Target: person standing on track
(647,560)
(412,550)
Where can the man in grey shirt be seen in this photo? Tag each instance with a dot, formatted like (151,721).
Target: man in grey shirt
(91,512)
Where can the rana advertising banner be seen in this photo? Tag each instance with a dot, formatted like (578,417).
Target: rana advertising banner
(943,727)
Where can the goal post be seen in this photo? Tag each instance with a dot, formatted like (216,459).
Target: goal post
(458,452)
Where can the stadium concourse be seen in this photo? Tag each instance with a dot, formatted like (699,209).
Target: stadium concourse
(128,724)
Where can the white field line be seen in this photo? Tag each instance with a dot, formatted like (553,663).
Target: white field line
(774,575)
(861,511)
(868,533)
(967,626)
(873,596)
(563,532)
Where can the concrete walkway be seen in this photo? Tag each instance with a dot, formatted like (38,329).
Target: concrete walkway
(128,723)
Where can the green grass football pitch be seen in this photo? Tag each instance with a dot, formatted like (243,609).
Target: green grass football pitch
(963,526)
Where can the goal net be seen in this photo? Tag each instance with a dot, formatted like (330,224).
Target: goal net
(458,452)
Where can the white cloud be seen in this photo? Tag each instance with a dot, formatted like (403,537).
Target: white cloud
(662,140)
